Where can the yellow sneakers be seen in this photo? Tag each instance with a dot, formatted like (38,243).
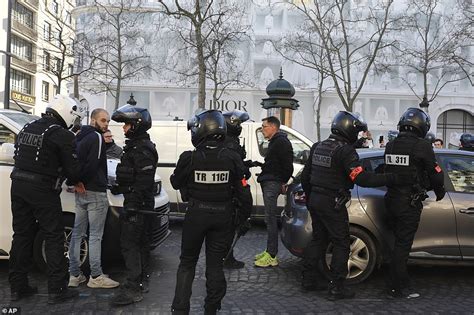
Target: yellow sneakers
(266,261)
(258,256)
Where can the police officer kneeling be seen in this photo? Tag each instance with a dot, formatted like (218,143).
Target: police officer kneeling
(135,179)
(43,157)
(327,177)
(407,154)
(209,177)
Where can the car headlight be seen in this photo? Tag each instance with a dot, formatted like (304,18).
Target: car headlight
(157,188)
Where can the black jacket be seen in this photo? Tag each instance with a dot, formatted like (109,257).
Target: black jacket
(90,149)
(113,150)
(278,164)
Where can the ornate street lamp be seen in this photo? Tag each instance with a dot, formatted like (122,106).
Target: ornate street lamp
(132,101)
(280,101)
(424,104)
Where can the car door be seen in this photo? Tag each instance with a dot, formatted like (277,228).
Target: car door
(436,236)
(459,184)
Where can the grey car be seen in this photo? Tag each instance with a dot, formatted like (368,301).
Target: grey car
(445,234)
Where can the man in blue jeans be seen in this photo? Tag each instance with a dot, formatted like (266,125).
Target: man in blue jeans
(276,171)
(91,206)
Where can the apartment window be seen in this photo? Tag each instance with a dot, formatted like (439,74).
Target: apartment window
(57,38)
(68,18)
(57,65)
(47,31)
(46,60)
(45,91)
(21,48)
(55,89)
(70,69)
(22,14)
(21,82)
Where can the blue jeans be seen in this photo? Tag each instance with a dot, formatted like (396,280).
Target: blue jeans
(91,210)
(271,190)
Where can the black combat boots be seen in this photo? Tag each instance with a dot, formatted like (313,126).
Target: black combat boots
(337,291)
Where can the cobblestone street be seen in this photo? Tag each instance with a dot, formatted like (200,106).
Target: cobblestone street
(258,291)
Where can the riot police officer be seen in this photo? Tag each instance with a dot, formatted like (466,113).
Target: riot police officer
(209,178)
(234,119)
(327,177)
(467,142)
(409,154)
(43,157)
(135,179)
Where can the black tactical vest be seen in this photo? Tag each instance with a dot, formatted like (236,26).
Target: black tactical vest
(34,151)
(211,176)
(399,157)
(326,172)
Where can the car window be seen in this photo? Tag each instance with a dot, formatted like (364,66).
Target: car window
(373,164)
(6,135)
(300,149)
(20,118)
(460,171)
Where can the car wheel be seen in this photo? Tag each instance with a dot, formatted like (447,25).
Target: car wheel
(362,256)
(39,253)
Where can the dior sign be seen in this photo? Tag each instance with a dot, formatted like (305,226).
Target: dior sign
(228,105)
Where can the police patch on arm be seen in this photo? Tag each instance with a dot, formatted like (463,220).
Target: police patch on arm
(211,177)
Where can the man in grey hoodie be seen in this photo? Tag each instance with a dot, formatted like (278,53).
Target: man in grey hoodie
(92,206)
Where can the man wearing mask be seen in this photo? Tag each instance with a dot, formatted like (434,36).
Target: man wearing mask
(92,206)
(136,180)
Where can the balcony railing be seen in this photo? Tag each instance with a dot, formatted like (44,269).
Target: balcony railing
(31,3)
(24,30)
(24,64)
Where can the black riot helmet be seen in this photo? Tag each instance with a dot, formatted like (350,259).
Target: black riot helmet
(348,125)
(138,117)
(392,134)
(416,121)
(430,137)
(234,119)
(467,140)
(208,128)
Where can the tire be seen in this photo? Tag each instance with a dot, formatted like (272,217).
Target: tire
(362,257)
(39,246)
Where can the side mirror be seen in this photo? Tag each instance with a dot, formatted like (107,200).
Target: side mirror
(304,156)
(7,151)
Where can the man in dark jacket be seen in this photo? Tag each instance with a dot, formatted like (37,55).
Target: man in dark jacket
(91,207)
(276,171)
(113,150)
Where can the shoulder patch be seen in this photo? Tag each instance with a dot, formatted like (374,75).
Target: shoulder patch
(438,169)
(355,172)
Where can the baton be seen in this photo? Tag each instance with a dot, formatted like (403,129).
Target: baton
(236,238)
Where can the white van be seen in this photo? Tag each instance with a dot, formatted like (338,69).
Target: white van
(172,138)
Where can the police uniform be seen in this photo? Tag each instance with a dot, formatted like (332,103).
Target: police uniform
(408,154)
(209,178)
(135,179)
(43,157)
(327,178)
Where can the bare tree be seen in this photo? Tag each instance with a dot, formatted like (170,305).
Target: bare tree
(116,44)
(58,46)
(435,44)
(208,35)
(350,37)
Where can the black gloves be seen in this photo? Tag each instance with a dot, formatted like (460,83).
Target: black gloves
(117,189)
(243,228)
(440,192)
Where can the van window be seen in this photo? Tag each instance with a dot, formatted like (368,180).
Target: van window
(6,135)
(300,149)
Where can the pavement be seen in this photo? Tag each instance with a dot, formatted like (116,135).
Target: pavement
(444,290)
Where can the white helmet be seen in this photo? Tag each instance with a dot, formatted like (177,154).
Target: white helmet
(67,109)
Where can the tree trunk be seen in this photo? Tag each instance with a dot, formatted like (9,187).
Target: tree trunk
(202,68)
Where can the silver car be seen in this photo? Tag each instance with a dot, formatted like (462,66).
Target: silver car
(445,234)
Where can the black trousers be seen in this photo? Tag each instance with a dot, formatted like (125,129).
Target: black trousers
(135,245)
(329,225)
(403,220)
(214,227)
(33,202)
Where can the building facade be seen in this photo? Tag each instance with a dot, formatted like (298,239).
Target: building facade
(42,37)
(385,96)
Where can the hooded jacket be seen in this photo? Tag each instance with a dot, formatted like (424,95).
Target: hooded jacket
(91,153)
(278,164)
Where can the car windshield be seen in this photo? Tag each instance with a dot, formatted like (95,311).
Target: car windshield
(20,118)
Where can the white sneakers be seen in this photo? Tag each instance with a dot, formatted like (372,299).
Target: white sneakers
(102,281)
(74,282)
